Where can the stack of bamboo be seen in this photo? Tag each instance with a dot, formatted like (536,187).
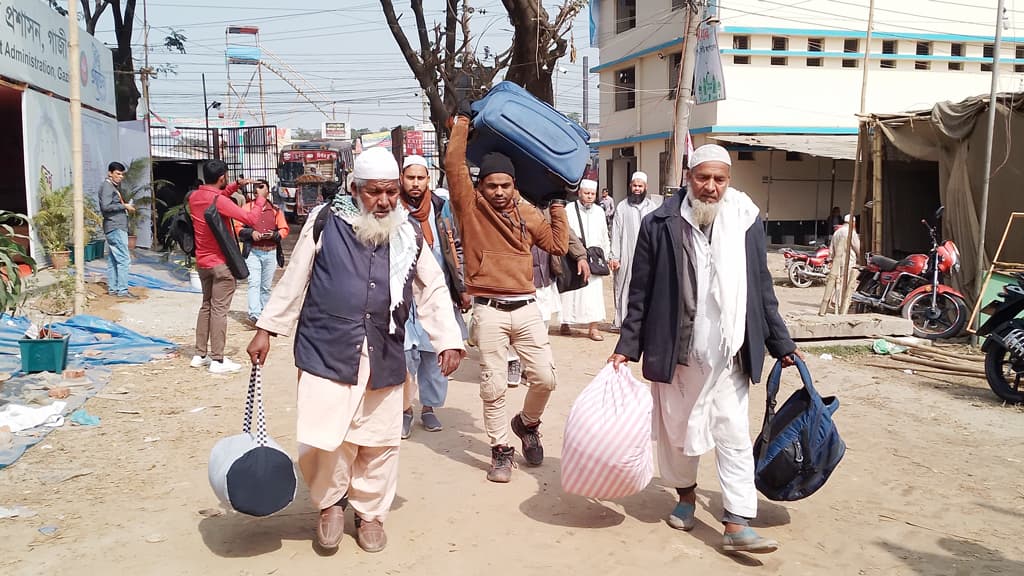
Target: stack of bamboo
(935,360)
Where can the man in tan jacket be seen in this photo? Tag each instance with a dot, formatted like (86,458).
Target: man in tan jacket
(498,231)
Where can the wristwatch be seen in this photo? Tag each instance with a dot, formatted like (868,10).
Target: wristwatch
(561,201)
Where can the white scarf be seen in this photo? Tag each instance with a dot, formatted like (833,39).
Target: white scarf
(736,213)
(402,247)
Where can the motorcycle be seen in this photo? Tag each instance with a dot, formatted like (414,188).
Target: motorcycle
(913,287)
(1004,343)
(804,268)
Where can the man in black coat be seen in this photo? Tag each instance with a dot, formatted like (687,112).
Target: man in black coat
(702,310)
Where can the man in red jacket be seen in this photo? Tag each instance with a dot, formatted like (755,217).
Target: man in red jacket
(218,283)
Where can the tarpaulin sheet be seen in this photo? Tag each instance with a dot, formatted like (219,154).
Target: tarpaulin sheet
(94,344)
(148,270)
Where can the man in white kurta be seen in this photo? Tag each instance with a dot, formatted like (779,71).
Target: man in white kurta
(349,432)
(586,305)
(625,229)
(839,288)
(700,270)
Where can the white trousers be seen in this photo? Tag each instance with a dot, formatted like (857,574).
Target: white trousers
(706,407)
(367,474)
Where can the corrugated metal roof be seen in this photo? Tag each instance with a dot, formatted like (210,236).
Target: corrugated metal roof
(837,146)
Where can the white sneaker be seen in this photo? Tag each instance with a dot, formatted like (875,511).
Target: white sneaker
(199,361)
(225,366)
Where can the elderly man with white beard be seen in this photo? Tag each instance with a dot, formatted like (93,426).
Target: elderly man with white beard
(702,309)
(355,270)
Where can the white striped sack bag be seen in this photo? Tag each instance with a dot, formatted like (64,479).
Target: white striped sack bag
(606,450)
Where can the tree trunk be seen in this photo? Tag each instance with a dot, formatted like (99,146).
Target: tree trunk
(126,93)
(536,47)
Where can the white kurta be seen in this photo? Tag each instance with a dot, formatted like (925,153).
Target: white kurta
(706,404)
(586,305)
(625,230)
(330,413)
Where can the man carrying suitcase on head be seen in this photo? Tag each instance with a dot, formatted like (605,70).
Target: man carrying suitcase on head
(498,232)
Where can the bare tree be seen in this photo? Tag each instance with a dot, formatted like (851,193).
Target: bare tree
(446,56)
(538,43)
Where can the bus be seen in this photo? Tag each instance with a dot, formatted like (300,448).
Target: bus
(309,174)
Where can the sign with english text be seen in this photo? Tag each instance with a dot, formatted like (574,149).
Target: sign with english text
(34,49)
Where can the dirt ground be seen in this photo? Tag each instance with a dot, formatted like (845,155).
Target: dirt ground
(931,484)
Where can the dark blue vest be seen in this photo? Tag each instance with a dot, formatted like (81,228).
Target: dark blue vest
(348,298)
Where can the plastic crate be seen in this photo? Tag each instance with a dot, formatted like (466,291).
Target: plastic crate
(93,250)
(44,354)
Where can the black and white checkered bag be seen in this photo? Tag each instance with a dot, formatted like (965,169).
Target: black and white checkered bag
(250,472)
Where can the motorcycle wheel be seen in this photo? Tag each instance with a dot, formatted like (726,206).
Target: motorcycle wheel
(1002,378)
(797,275)
(947,321)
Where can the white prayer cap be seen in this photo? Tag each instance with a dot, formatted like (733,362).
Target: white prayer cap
(376,164)
(414,160)
(641,176)
(710,153)
(846,218)
(588,185)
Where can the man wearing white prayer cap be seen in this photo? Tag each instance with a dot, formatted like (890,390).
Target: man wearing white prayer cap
(441,236)
(625,228)
(587,221)
(345,296)
(702,310)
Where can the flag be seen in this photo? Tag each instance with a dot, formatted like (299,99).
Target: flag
(174,132)
(595,18)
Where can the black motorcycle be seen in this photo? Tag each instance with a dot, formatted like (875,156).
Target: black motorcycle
(1004,343)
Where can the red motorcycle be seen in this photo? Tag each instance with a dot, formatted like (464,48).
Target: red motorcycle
(804,268)
(913,287)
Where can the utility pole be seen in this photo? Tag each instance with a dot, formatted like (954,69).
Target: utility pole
(146,72)
(586,93)
(206,115)
(77,183)
(990,131)
(843,299)
(684,92)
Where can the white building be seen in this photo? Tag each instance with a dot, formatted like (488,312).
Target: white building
(792,85)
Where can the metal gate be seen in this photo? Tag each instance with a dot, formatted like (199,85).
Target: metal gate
(248,151)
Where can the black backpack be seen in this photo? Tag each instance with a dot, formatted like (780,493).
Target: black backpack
(799,446)
(180,230)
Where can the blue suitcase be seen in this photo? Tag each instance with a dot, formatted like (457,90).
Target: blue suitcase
(549,150)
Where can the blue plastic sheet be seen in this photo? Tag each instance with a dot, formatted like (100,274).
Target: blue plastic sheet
(149,270)
(94,343)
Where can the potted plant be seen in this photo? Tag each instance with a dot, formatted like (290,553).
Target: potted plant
(52,222)
(15,262)
(95,240)
(137,191)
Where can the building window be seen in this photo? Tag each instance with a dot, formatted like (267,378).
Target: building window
(1019,55)
(741,43)
(888,47)
(850,46)
(794,156)
(625,15)
(675,61)
(988,51)
(779,44)
(745,155)
(923,49)
(625,89)
(678,4)
(815,45)
(956,50)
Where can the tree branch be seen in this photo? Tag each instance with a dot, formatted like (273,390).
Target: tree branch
(421,29)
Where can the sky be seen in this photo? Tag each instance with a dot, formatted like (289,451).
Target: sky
(343,48)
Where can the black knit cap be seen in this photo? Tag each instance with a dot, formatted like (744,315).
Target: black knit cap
(496,163)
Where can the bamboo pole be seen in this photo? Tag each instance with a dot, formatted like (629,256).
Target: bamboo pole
(940,365)
(926,370)
(876,190)
(77,178)
(936,350)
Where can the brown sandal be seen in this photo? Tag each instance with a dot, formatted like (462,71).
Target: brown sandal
(596,336)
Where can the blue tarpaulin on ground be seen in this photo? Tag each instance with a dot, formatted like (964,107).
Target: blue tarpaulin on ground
(94,344)
(149,270)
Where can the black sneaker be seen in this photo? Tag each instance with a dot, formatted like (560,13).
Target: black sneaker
(533,451)
(502,463)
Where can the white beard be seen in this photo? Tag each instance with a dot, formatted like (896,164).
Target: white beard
(704,213)
(374,231)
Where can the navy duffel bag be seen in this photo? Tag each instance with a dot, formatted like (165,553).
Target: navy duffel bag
(799,446)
